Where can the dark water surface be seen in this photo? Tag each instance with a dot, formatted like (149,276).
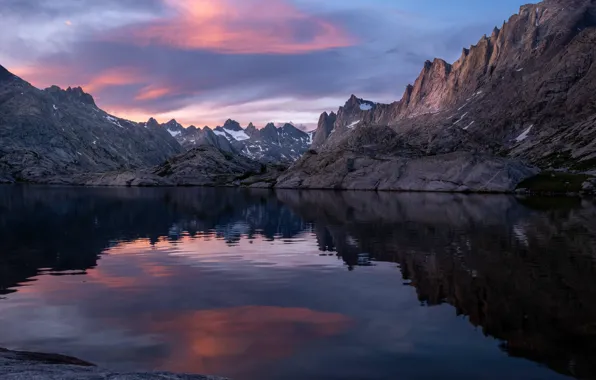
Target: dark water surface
(301,285)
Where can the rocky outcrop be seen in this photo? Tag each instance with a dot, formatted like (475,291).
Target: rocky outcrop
(202,166)
(377,158)
(55,132)
(522,97)
(207,166)
(30,365)
(526,91)
(324,128)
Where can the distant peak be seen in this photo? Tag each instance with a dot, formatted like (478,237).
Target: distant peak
(353,101)
(80,94)
(152,123)
(232,125)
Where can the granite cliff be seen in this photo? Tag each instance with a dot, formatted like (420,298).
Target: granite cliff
(520,98)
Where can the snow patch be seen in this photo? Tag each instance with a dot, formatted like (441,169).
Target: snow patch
(237,135)
(525,134)
(461,118)
(353,124)
(114,121)
(174,133)
(462,107)
(220,133)
(55,108)
(518,70)
(366,107)
(469,125)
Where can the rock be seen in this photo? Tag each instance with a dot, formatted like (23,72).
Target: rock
(206,166)
(376,158)
(15,365)
(324,128)
(589,186)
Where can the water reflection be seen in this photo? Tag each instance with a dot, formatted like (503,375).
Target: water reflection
(256,284)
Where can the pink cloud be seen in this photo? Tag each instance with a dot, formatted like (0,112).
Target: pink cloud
(247,27)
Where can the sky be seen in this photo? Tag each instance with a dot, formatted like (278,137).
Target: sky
(204,61)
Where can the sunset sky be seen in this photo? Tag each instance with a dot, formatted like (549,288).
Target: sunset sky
(204,61)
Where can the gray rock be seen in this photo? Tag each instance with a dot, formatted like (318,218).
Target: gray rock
(376,158)
(207,166)
(589,186)
(34,366)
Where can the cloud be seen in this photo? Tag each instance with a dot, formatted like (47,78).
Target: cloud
(117,76)
(235,27)
(152,92)
(204,61)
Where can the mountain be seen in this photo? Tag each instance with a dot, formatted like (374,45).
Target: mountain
(270,145)
(54,132)
(193,137)
(522,97)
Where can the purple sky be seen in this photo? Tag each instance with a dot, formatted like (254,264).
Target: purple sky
(204,61)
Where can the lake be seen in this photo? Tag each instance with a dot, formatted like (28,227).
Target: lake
(301,285)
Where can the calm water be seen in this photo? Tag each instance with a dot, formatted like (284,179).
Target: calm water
(301,285)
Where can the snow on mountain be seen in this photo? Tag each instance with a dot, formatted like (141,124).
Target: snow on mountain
(236,135)
(270,144)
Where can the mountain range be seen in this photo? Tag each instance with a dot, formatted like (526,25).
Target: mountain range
(519,101)
(270,144)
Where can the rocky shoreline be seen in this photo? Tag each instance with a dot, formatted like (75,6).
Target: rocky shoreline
(19,365)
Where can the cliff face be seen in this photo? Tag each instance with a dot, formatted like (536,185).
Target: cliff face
(536,34)
(324,128)
(526,91)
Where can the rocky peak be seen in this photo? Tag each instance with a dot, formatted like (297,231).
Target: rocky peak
(324,128)
(251,130)
(232,125)
(152,123)
(291,131)
(71,94)
(80,95)
(173,125)
(353,101)
(269,132)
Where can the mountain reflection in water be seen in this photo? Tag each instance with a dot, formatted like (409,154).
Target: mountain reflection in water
(254,284)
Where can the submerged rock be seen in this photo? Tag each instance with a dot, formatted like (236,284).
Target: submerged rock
(16,365)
